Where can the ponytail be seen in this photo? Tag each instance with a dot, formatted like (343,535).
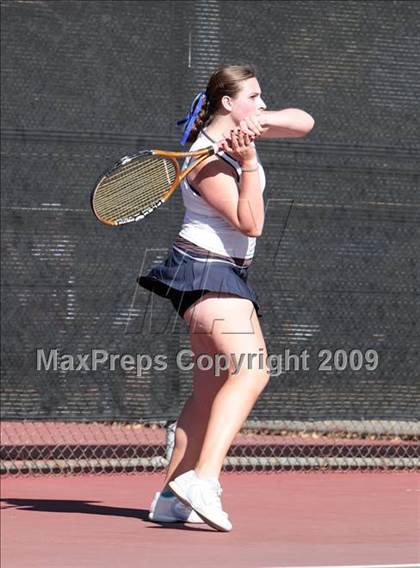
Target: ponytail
(199,123)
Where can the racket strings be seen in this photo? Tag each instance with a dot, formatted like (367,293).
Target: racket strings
(118,209)
(134,187)
(130,175)
(132,190)
(144,166)
(133,203)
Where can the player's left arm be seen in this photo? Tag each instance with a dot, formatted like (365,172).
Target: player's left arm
(286,123)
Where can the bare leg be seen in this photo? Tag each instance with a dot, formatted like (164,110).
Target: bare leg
(193,420)
(229,411)
(189,436)
(229,325)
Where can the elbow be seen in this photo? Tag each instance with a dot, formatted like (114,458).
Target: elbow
(253,233)
(307,124)
(252,229)
(301,122)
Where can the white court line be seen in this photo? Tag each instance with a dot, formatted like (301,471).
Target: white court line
(353,566)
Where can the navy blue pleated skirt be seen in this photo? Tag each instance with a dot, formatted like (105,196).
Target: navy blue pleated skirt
(185,276)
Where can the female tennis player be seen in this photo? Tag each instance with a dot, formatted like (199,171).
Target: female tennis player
(205,277)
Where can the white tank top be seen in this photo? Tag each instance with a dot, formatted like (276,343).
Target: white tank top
(205,226)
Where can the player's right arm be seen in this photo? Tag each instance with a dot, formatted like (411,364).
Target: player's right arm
(242,204)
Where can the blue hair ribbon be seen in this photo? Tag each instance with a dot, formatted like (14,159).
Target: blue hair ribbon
(191,117)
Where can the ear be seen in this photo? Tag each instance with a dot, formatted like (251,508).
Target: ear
(226,103)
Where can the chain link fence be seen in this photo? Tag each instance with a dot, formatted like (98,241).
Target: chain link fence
(71,448)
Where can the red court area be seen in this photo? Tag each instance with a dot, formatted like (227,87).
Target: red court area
(279,520)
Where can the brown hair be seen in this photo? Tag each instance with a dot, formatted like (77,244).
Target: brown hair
(224,82)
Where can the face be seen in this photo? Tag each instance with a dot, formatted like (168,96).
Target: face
(247,102)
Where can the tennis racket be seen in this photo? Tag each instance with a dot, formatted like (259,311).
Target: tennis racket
(136,185)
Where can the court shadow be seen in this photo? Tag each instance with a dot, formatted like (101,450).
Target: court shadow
(90,508)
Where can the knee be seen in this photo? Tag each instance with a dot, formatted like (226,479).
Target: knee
(253,368)
(256,380)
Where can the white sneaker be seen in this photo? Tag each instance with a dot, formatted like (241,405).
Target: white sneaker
(171,510)
(203,495)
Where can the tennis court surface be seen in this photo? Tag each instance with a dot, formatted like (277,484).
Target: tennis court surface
(289,519)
